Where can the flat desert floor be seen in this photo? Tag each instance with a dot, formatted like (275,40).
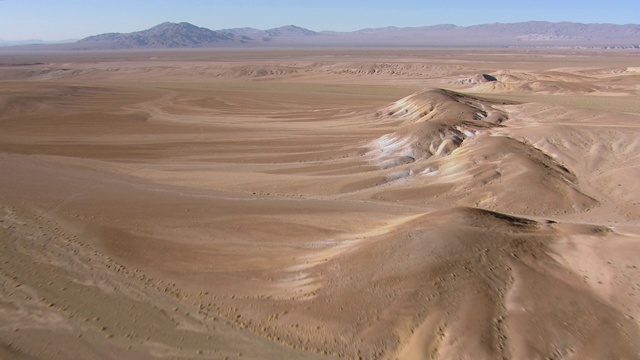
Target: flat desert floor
(334,203)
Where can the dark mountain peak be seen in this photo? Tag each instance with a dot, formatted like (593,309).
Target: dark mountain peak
(182,26)
(172,29)
(290,30)
(165,35)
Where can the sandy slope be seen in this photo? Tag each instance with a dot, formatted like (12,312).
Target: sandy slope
(404,204)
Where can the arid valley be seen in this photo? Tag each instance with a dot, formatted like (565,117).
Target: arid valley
(320,203)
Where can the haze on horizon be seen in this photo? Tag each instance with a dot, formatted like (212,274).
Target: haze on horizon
(68,19)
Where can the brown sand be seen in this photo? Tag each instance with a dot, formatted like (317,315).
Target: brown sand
(320,203)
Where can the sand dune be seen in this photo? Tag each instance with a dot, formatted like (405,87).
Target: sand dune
(376,204)
(549,82)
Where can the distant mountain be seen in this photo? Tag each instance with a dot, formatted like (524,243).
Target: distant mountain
(290,31)
(165,35)
(533,33)
(34,42)
(526,34)
(185,35)
(563,31)
(257,36)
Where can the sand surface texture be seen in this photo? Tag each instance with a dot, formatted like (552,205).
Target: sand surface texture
(288,204)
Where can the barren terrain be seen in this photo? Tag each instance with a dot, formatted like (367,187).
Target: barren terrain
(335,203)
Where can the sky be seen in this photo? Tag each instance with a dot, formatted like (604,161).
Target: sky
(73,19)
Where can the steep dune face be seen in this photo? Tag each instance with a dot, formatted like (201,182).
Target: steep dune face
(437,278)
(430,124)
(446,139)
(466,283)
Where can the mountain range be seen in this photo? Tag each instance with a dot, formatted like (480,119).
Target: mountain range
(527,34)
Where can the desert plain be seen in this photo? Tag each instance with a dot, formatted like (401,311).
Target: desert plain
(320,203)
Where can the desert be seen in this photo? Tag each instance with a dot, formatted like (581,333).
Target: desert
(288,203)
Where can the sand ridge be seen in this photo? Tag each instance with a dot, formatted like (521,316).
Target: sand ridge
(334,203)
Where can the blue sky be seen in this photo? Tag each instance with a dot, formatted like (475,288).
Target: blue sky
(65,19)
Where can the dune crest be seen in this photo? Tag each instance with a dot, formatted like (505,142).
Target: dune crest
(466,143)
